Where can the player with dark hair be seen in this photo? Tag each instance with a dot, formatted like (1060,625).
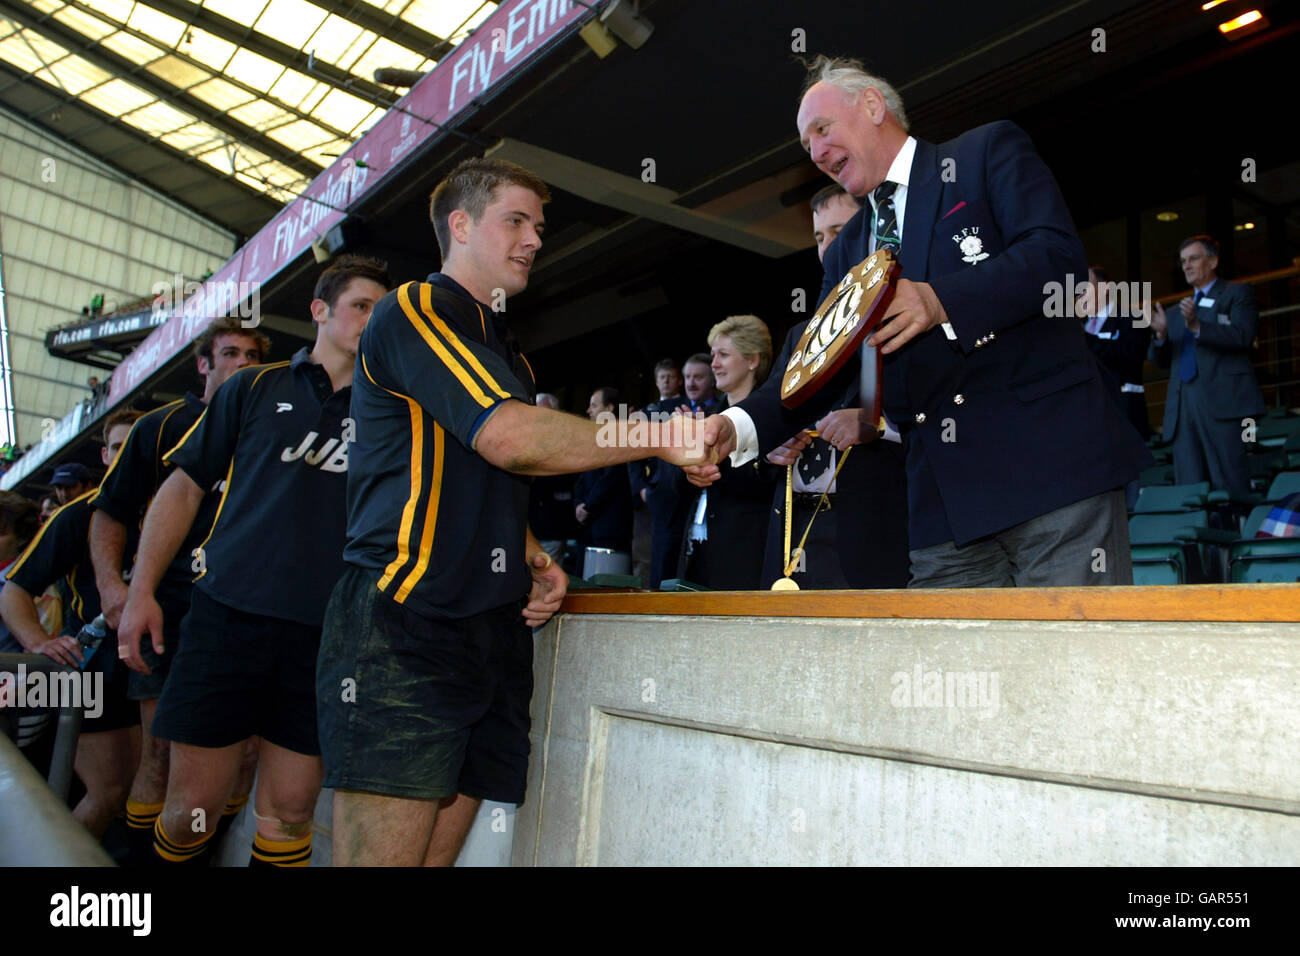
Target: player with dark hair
(223,348)
(277,438)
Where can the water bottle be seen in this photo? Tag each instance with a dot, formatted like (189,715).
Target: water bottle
(90,636)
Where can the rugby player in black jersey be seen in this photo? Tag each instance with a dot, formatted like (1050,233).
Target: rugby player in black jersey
(109,746)
(223,348)
(279,437)
(425,669)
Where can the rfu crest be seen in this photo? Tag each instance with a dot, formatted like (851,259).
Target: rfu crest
(970,244)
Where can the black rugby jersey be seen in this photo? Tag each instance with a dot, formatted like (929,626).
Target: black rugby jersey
(278,435)
(139,471)
(445,529)
(61,549)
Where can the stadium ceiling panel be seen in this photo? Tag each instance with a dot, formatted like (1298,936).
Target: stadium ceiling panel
(260,95)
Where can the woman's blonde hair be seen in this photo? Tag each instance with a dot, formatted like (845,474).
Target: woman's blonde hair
(751,337)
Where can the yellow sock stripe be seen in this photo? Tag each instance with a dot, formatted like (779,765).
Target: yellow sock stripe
(282,852)
(172,851)
(234,806)
(140,816)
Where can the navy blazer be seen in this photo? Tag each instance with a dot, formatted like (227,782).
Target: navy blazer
(1011,420)
(1222,354)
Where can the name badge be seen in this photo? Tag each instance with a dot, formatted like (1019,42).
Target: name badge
(1223,319)
(1205,304)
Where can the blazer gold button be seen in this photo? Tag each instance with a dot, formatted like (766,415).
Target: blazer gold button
(920,418)
(958,399)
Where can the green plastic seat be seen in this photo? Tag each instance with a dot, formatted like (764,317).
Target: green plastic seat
(1263,570)
(1286,483)
(1156,475)
(1169,498)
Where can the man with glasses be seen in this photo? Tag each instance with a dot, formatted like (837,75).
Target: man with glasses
(1206,344)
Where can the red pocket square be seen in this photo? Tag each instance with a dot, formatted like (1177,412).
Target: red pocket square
(954,209)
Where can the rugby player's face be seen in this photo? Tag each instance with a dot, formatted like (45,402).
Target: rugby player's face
(829,220)
(230,353)
(505,240)
(116,439)
(841,137)
(345,322)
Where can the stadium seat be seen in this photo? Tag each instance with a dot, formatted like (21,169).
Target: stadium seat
(1286,483)
(1184,541)
(1170,498)
(1274,432)
(1252,559)
(1156,475)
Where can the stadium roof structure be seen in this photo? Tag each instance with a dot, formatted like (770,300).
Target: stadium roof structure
(231,107)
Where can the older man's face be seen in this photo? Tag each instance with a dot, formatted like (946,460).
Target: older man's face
(1198,265)
(841,138)
(699,382)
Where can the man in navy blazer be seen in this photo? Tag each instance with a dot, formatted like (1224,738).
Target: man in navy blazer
(1212,385)
(1016,456)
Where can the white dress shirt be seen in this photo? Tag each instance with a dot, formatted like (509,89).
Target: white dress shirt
(900,171)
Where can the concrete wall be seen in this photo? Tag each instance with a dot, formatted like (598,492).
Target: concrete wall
(675,740)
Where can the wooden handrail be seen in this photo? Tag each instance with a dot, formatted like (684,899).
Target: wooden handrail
(1217,602)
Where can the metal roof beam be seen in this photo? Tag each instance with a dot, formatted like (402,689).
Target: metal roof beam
(273,49)
(390,26)
(120,66)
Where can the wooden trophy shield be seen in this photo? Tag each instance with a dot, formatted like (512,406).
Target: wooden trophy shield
(852,311)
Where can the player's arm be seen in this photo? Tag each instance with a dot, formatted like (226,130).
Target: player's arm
(21,616)
(51,555)
(169,520)
(528,440)
(107,545)
(165,527)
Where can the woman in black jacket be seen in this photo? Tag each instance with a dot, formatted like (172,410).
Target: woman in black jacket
(726,530)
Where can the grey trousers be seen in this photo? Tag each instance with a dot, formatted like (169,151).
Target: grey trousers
(1081,544)
(1207,448)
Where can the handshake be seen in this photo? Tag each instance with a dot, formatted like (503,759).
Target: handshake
(693,444)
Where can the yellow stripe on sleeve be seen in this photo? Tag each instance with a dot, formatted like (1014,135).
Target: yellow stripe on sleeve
(426,305)
(404,300)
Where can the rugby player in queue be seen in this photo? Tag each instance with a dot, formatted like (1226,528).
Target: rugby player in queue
(108,749)
(223,348)
(279,436)
(425,670)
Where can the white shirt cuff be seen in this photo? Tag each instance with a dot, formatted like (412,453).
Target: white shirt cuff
(746,436)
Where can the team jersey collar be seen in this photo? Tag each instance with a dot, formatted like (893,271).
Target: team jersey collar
(447,283)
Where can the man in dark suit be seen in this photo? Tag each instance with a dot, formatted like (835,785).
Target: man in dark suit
(1016,457)
(602,498)
(662,490)
(1212,385)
